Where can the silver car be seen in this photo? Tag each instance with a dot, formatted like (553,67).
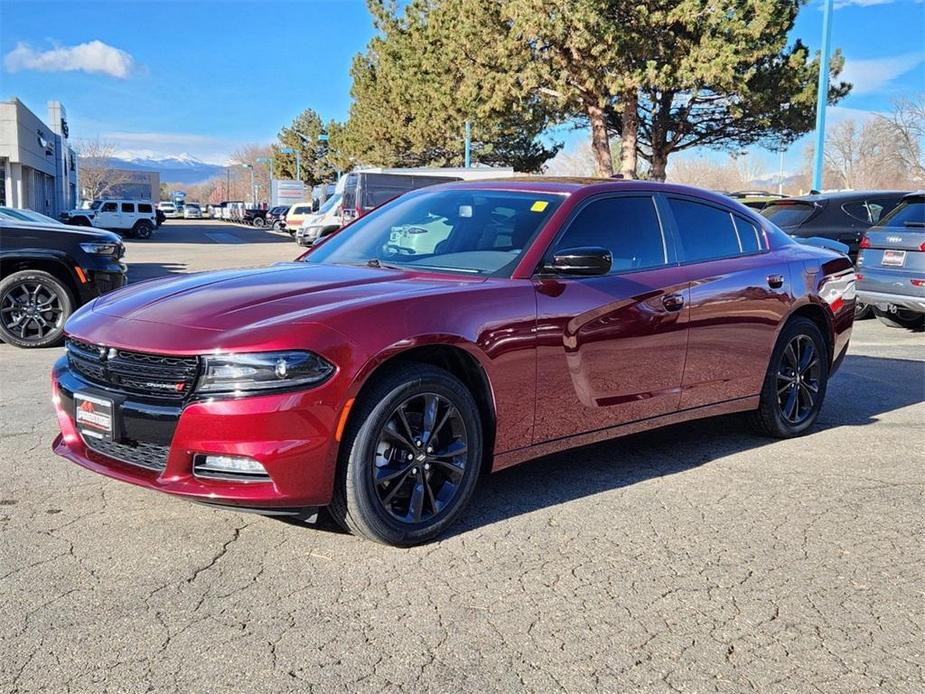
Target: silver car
(891,265)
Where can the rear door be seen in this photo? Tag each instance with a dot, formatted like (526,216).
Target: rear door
(611,348)
(739,293)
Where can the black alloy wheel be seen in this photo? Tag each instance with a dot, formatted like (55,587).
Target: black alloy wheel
(410,456)
(798,379)
(420,458)
(795,383)
(33,308)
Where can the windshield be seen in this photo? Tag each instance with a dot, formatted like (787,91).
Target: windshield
(467,231)
(13,214)
(95,205)
(909,213)
(329,204)
(788,214)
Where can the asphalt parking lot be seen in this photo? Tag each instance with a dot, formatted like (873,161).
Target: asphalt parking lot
(699,558)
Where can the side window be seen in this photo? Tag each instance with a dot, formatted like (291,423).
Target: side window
(144,208)
(750,237)
(626,226)
(108,207)
(705,232)
(128,207)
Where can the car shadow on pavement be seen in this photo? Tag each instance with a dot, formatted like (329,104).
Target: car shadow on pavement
(139,272)
(864,388)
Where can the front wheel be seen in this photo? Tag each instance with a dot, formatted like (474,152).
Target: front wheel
(143,230)
(795,383)
(259,221)
(901,318)
(33,308)
(410,457)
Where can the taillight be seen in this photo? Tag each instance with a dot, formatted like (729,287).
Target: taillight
(918,283)
(859,276)
(865,242)
(922,246)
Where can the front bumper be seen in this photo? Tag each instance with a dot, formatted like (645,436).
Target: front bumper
(291,434)
(883,299)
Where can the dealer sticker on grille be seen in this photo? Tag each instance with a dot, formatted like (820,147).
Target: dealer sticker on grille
(94,416)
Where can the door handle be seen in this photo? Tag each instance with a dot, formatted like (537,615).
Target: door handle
(673,302)
(775,281)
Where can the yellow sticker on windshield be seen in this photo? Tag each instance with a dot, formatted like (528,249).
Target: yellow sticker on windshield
(539,206)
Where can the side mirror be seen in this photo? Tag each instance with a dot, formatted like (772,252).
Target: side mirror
(586,260)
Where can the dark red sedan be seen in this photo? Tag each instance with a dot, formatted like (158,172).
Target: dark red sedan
(459,328)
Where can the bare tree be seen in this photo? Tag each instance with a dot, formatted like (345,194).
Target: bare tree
(98,177)
(245,160)
(865,156)
(906,127)
(732,174)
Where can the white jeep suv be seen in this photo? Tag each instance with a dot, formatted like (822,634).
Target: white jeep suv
(132,218)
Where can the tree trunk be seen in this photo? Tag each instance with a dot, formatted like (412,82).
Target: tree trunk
(600,142)
(658,165)
(630,129)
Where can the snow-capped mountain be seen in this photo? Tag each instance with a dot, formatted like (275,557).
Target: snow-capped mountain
(183,168)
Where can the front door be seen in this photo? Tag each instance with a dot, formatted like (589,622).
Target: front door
(611,348)
(107,217)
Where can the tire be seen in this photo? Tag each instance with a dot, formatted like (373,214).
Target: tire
(259,221)
(21,324)
(863,311)
(903,318)
(386,512)
(775,414)
(143,229)
(81,222)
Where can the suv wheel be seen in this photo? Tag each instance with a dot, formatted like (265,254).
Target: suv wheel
(143,229)
(259,221)
(795,384)
(33,308)
(410,457)
(902,318)
(862,311)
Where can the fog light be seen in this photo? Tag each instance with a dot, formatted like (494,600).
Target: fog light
(228,466)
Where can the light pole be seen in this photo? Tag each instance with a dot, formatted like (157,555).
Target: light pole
(298,160)
(269,162)
(253,183)
(822,96)
(467,155)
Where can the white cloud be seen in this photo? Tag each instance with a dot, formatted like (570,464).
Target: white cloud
(93,56)
(839,4)
(874,74)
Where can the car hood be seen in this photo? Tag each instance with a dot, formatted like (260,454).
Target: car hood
(238,307)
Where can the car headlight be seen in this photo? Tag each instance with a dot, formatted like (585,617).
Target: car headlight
(229,373)
(101,248)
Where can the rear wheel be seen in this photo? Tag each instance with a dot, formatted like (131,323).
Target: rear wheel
(143,229)
(795,384)
(901,318)
(862,311)
(33,308)
(410,458)
(259,221)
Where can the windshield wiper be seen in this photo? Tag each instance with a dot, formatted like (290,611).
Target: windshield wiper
(375,262)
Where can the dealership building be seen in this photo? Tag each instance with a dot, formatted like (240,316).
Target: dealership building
(38,168)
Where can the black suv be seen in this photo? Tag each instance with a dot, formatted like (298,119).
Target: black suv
(842,216)
(46,272)
(276,217)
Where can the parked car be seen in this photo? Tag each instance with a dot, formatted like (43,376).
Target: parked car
(276,217)
(169,209)
(191,210)
(24,215)
(891,265)
(130,218)
(47,270)
(296,215)
(324,222)
(843,216)
(380,382)
(364,191)
(254,216)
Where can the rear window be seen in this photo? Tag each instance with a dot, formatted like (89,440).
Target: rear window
(706,232)
(301,209)
(143,207)
(868,211)
(788,214)
(128,207)
(909,213)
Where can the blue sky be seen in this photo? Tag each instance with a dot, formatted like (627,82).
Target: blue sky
(206,77)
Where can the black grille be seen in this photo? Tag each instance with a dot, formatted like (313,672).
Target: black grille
(152,375)
(146,455)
